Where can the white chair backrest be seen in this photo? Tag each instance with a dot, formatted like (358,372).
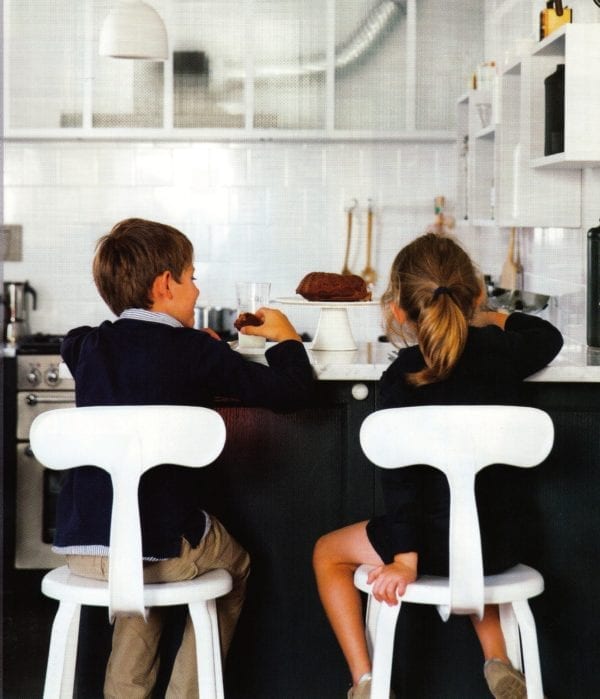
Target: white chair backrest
(459,440)
(126,441)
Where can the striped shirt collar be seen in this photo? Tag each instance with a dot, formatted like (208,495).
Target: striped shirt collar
(151,316)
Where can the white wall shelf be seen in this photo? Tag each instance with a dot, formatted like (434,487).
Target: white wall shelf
(577,46)
(529,188)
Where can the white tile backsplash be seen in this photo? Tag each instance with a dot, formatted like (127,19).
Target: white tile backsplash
(262,211)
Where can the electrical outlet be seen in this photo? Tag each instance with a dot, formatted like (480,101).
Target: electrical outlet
(11,244)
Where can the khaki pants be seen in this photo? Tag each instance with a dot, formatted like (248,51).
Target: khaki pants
(133,664)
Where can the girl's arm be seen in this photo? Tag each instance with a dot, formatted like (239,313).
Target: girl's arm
(483,318)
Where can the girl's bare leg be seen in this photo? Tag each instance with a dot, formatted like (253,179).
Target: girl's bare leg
(336,556)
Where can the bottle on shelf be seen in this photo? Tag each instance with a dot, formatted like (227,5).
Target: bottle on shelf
(593,287)
(554,127)
(553,17)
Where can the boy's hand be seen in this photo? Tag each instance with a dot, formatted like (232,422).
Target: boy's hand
(276,326)
(390,580)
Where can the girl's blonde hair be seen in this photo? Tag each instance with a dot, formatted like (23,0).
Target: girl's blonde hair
(436,284)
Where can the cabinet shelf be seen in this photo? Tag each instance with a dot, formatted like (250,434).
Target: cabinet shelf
(564,161)
(224,135)
(487,132)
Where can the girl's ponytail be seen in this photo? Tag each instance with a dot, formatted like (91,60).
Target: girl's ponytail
(437,286)
(442,333)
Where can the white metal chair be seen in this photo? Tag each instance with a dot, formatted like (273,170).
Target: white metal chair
(460,441)
(126,441)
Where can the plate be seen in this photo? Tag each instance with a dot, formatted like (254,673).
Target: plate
(333,330)
(299,301)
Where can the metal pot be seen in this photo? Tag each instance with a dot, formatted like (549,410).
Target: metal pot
(517,300)
(218,319)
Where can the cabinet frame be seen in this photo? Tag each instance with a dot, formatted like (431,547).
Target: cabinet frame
(247,132)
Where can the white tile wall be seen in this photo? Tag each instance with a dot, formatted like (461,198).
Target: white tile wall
(268,211)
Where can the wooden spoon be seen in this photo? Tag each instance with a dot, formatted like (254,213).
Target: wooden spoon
(508,275)
(346,269)
(368,273)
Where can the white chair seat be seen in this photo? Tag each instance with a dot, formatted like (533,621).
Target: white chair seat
(62,584)
(520,582)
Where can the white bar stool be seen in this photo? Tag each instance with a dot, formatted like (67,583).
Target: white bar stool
(127,441)
(459,440)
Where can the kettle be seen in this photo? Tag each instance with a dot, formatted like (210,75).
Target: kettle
(16,323)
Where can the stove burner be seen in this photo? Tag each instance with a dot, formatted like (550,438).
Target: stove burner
(40,343)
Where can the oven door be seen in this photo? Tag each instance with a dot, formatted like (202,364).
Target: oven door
(37,487)
(31,403)
(37,490)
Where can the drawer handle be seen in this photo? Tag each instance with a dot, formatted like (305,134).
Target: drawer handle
(359,391)
(33,399)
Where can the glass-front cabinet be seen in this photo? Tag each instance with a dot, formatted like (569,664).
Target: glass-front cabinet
(44,64)
(243,69)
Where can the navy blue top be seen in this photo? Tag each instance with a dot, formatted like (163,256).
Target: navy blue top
(137,362)
(490,371)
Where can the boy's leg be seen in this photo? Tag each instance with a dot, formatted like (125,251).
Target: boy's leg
(217,549)
(336,557)
(133,663)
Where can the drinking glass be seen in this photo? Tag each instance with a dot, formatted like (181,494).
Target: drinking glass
(250,297)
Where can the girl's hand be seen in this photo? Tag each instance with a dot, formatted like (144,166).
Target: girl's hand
(275,327)
(484,317)
(390,580)
(211,332)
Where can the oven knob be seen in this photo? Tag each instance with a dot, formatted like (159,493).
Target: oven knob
(34,377)
(51,376)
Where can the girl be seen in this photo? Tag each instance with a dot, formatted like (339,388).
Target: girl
(463,355)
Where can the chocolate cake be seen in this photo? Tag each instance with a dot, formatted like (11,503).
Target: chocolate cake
(246,319)
(327,286)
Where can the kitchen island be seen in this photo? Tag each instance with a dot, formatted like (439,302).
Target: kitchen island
(304,474)
(285,479)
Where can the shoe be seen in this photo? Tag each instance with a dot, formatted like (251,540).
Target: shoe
(363,690)
(504,681)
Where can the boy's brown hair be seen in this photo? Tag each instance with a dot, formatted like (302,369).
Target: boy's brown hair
(435,282)
(132,255)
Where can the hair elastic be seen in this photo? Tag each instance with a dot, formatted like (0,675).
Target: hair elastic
(442,290)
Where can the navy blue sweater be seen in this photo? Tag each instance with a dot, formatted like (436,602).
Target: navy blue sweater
(136,362)
(490,371)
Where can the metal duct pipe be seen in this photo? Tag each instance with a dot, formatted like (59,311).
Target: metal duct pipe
(367,33)
(346,53)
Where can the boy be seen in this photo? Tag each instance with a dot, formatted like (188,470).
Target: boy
(153,355)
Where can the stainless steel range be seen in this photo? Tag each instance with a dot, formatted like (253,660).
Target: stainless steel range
(39,388)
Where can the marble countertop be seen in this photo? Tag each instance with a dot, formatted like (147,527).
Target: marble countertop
(575,363)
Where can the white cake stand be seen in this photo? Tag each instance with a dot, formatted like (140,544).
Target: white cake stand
(333,329)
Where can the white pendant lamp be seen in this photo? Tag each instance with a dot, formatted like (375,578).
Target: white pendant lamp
(133,29)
